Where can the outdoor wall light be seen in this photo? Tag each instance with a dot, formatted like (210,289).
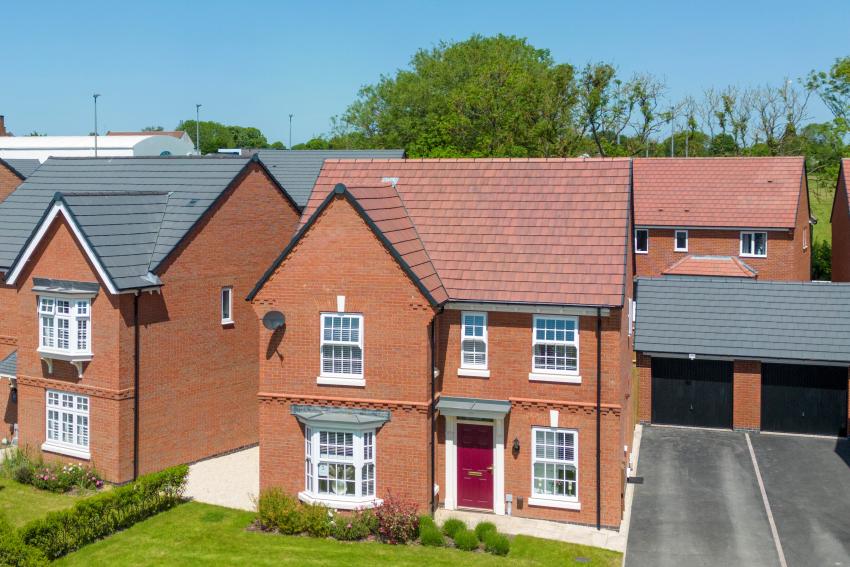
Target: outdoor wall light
(515,447)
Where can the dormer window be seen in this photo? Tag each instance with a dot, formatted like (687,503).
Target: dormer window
(65,325)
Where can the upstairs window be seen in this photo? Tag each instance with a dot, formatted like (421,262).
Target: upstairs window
(754,244)
(681,241)
(342,345)
(473,343)
(641,241)
(555,343)
(226,305)
(64,325)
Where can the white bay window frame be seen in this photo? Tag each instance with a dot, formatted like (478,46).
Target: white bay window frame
(341,344)
(330,452)
(551,339)
(550,470)
(474,345)
(67,430)
(64,329)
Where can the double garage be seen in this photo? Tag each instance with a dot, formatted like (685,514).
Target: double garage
(727,353)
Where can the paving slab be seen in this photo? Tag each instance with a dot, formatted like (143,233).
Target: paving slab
(700,503)
(232,480)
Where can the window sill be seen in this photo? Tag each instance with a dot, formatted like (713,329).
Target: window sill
(64,355)
(681,251)
(227,322)
(59,449)
(752,255)
(474,372)
(336,381)
(561,378)
(641,252)
(552,503)
(340,503)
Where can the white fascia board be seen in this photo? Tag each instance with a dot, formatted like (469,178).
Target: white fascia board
(59,208)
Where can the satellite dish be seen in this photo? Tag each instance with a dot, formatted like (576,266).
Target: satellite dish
(273,320)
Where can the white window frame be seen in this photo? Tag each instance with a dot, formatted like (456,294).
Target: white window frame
(676,241)
(553,500)
(79,326)
(547,375)
(341,378)
(467,368)
(226,306)
(364,454)
(752,254)
(638,251)
(67,408)
(805,238)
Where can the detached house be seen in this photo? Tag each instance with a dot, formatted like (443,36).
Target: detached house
(729,217)
(456,332)
(841,225)
(117,315)
(13,172)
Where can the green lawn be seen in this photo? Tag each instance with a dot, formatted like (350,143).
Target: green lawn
(21,503)
(199,534)
(821,205)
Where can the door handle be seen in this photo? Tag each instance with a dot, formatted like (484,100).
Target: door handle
(490,468)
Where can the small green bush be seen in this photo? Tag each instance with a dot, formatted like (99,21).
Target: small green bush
(277,510)
(94,518)
(452,526)
(484,528)
(14,552)
(316,520)
(431,536)
(354,527)
(426,520)
(497,544)
(466,540)
(23,473)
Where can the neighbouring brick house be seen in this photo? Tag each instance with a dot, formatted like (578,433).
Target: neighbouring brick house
(841,225)
(744,354)
(118,304)
(453,332)
(737,217)
(13,172)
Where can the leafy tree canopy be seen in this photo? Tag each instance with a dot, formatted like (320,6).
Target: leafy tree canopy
(215,136)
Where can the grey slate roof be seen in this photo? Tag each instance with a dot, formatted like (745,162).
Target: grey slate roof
(744,318)
(25,167)
(297,170)
(133,210)
(336,415)
(9,365)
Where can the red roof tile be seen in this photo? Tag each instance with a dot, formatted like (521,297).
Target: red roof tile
(727,266)
(516,231)
(739,192)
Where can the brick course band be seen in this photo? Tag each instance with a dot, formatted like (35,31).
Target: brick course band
(93,391)
(421,407)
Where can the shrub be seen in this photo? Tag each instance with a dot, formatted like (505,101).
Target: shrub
(453,526)
(356,526)
(316,520)
(14,552)
(484,528)
(497,544)
(426,520)
(96,517)
(23,473)
(397,520)
(466,540)
(277,510)
(62,478)
(431,536)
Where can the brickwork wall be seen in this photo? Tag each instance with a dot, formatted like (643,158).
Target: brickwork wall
(9,181)
(644,366)
(841,235)
(746,394)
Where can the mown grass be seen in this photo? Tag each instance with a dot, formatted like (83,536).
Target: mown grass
(21,503)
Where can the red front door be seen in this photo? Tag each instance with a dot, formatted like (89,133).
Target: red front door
(475,465)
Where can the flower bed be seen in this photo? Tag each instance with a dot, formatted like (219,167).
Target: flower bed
(55,477)
(394,522)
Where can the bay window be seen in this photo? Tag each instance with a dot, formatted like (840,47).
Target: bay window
(339,467)
(64,326)
(555,348)
(554,467)
(67,424)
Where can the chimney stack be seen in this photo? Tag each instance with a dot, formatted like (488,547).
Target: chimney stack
(2,125)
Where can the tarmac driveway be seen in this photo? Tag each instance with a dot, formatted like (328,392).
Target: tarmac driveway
(701,503)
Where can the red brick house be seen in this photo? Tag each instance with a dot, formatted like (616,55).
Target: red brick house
(456,332)
(129,350)
(13,172)
(733,217)
(841,225)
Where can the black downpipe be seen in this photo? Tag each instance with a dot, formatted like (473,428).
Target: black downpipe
(433,410)
(136,348)
(598,418)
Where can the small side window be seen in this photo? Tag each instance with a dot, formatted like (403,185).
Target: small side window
(226,305)
(641,241)
(681,241)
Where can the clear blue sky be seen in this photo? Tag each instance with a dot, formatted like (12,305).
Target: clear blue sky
(253,63)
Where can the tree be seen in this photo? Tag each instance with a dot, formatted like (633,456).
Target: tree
(215,136)
(153,129)
(833,88)
(486,96)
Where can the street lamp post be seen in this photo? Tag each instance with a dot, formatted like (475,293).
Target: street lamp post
(198,129)
(94,96)
(290,130)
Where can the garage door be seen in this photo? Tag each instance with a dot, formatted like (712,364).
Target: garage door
(692,392)
(798,398)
